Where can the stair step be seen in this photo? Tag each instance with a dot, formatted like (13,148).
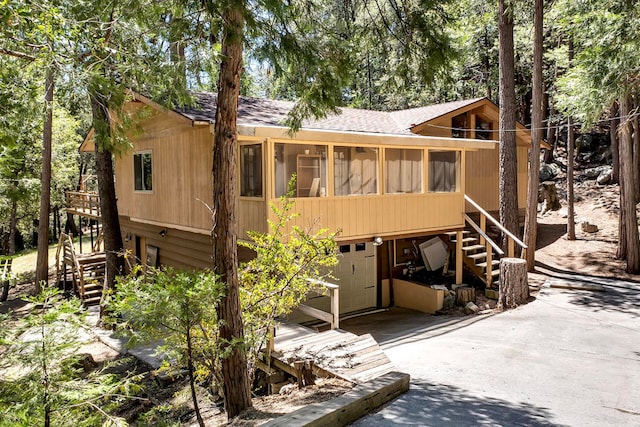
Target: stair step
(453,234)
(472,248)
(493,262)
(477,256)
(91,301)
(495,273)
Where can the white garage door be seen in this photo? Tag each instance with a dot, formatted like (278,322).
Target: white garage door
(356,274)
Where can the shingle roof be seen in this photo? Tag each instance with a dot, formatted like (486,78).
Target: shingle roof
(268,112)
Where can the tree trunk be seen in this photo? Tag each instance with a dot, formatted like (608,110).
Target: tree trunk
(508,153)
(106,187)
(627,190)
(42,263)
(13,224)
(615,150)
(237,391)
(636,156)
(551,136)
(571,220)
(531,222)
(514,288)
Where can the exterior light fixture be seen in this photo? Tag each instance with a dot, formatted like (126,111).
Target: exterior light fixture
(377,241)
(163,232)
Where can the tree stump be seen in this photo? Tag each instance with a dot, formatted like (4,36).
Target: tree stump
(464,295)
(304,372)
(514,286)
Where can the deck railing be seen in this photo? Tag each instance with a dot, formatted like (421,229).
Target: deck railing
(333,318)
(85,203)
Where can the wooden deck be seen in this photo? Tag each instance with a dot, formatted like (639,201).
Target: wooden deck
(83,203)
(335,352)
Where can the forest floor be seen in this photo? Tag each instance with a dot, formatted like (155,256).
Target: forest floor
(590,253)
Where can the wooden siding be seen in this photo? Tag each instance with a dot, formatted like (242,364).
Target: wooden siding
(252,216)
(181,171)
(482,175)
(178,248)
(362,217)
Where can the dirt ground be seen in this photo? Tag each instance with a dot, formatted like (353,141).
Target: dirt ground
(591,253)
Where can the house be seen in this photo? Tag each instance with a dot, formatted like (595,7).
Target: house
(388,180)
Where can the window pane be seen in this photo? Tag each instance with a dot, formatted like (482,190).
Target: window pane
(251,170)
(460,126)
(403,171)
(355,170)
(443,171)
(307,162)
(146,172)
(142,172)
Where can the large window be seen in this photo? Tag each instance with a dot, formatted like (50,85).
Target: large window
(403,170)
(142,171)
(460,126)
(251,170)
(444,171)
(309,165)
(355,170)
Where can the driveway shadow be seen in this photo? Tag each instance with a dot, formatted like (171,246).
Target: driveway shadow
(428,404)
(622,296)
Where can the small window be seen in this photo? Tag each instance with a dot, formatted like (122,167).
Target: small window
(251,170)
(459,126)
(345,249)
(483,128)
(360,247)
(444,171)
(142,172)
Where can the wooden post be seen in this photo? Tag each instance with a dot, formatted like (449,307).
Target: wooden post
(304,372)
(510,247)
(459,257)
(514,287)
(335,307)
(483,227)
(489,276)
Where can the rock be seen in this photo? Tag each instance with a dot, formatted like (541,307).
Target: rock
(549,171)
(471,308)
(448,301)
(604,177)
(588,227)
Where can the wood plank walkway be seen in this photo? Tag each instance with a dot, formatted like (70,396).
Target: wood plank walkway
(340,353)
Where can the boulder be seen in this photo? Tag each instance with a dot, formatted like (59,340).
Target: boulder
(587,227)
(604,177)
(549,171)
(471,308)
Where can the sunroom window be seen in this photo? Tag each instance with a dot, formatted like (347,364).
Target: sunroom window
(142,171)
(444,171)
(355,170)
(403,170)
(309,165)
(251,170)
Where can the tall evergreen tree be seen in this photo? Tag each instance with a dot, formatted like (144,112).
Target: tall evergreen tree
(508,206)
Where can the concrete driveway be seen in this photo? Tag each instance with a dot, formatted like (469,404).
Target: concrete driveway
(568,358)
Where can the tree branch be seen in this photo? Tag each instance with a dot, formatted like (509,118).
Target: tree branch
(16,54)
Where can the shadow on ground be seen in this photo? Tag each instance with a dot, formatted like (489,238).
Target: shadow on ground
(622,296)
(401,325)
(440,405)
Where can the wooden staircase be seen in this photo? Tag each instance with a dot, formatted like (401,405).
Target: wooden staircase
(85,271)
(480,253)
(474,256)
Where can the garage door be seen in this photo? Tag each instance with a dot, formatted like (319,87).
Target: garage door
(356,274)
